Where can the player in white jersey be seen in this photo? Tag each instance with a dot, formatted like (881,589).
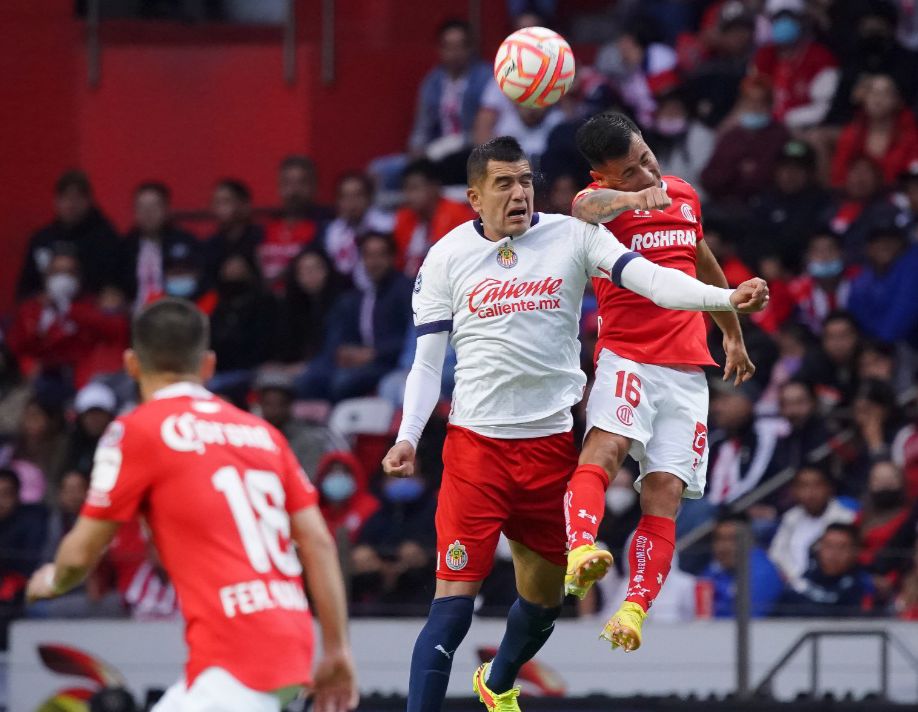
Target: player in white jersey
(508,286)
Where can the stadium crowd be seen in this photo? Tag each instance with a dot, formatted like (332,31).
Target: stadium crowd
(793,119)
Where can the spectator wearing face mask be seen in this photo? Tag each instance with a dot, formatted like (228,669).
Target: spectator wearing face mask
(184,277)
(826,285)
(680,141)
(344,495)
(54,333)
(743,160)
(886,509)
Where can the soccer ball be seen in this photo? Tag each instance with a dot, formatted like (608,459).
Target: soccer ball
(534,67)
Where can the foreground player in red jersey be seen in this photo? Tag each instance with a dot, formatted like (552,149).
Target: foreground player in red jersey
(235,522)
(650,398)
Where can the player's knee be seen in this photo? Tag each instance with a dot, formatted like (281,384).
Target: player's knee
(661,494)
(604,449)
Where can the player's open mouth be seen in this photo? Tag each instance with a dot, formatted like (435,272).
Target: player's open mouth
(517,214)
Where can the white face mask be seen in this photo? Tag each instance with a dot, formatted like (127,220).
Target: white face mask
(62,287)
(620,499)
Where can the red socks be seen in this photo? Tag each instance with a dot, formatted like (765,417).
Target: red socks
(585,504)
(649,558)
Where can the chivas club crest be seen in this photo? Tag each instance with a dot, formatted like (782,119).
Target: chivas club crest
(506,257)
(456,555)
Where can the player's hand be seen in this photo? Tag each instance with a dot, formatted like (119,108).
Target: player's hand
(39,587)
(738,362)
(399,461)
(335,686)
(651,199)
(751,296)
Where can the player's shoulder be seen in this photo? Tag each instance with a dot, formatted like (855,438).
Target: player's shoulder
(455,241)
(677,187)
(586,191)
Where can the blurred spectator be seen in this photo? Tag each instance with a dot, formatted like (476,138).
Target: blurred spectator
(876,421)
(834,585)
(242,326)
(877,360)
(500,116)
(764,581)
(22,534)
(884,131)
(905,455)
(715,83)
(426,216)
(236,234)
(906,604)
(803,72)
(14,392)
(833,368)
(815,506)
(826,285)
(860,207)
(38,453)
(153,245)
(783,218)
(794,343)
(355,216)
(312,289)
(886,510)
(95,406)
(185,277)
(743,161)
(78,226)
(875,51)
(300,220)
(808,433)
(450,94)
(721,238)
(54,334)
(884,297)
(681,143)
(561,192)
(274,391)
(367,328)
(906,203)
(68,501)
(344,494)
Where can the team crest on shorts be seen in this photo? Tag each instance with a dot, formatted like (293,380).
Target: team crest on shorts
(688,213)
(625,414)
(506,257)
(456,556)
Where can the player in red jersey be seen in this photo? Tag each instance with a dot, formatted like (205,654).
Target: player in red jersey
(650,398)
(235,522)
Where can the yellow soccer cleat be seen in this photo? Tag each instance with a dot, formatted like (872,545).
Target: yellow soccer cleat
(623,629)
(504,702)
(585,566)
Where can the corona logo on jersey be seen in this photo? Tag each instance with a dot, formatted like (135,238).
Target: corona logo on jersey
(187,433)
(506,257)
(494,297)
(663,238)
(456,556)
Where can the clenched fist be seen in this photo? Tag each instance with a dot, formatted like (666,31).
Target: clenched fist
(751,296)
(399,461)
(651,199)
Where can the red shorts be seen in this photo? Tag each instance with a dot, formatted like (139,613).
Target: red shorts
(500,485)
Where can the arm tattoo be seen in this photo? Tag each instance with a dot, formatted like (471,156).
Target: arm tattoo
(601,206)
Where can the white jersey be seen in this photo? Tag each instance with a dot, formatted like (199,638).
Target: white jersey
(513,307)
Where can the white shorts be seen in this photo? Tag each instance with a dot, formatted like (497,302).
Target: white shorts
(662,409)
(215,690)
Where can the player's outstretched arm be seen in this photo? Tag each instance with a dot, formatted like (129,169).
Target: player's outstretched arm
(335,681)
(604,204)
(422,391)
(78,553)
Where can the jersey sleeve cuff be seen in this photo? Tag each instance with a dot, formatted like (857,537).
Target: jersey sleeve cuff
(435,327)
(620,265)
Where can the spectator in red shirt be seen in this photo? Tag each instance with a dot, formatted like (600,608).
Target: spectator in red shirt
(860,208)
(344,495)
(826,284)
(55,333)
(426,216)
(300,220)
(803,72)
(883,130)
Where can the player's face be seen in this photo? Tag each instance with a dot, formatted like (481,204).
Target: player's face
(503,198)
(633,172)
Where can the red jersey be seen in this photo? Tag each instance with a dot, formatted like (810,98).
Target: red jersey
(633,326)
(216,486)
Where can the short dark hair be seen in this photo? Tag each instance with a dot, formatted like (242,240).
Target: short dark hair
(455,24)
(504,149)
(298,161)
(819,469)
(154,186)
(606,137)
(827,232)
(385,237)
(887,231)
(11,476)
(170,336)
(423,167)
(850,530)
(360,177)
(73,179)
(842,315)
(240,190)
(799,382)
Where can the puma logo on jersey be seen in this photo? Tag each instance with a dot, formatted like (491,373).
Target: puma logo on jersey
(663,238)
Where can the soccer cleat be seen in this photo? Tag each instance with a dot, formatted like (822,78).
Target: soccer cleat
(623,629)
(503,702)
(585,566)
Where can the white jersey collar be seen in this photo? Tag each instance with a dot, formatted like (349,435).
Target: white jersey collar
(479,228)
(182,389)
